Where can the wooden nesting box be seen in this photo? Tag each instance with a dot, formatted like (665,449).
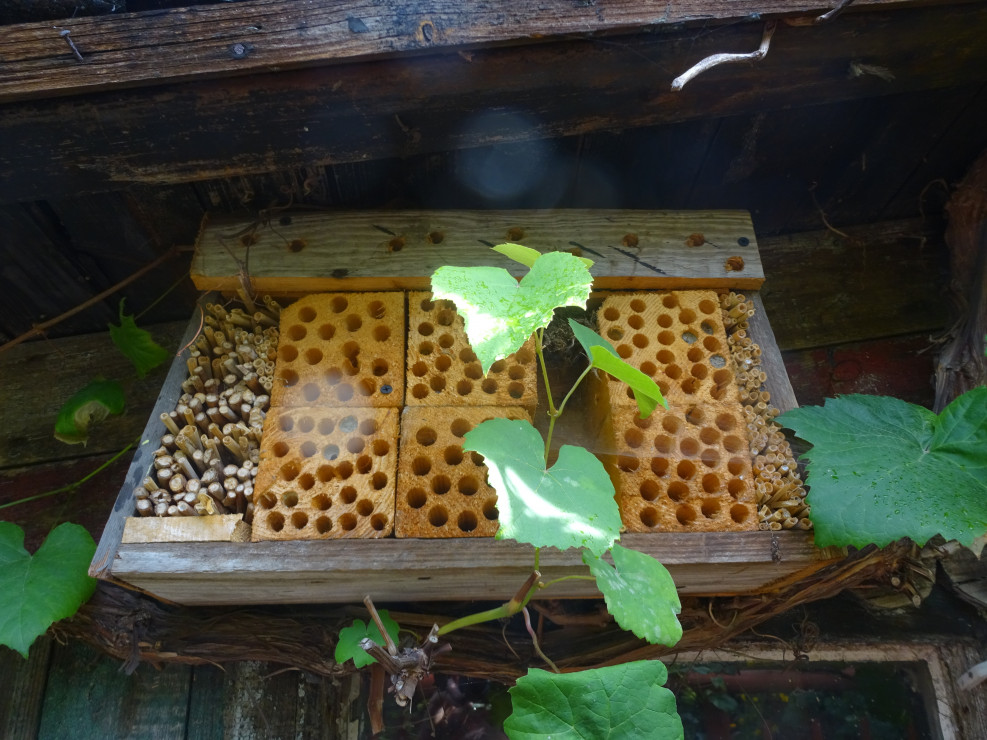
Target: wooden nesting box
(361,253)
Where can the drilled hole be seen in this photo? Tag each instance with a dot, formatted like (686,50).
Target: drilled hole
(669,301)
(678,491)
(327,332)
(725,422)
(325,473)
(311,392)
(690,386)
(664,444)
(711,483)
(499,366)
(426,348)
(288,353)
(611,313)
(648,368)
(674,372)
(437,383)
(739,513)
(453,455)
(464,387)
(289,377)
(280,449)
(615,333)
(347,522)
(441,484)
(290,470)
(490,512)
(416,498)
(421,466)
(515,390)
(649,517)
(736,487)
(466,521)
(267,500)
(489,386)
(635,322)
(459,427)
(640,341)
(427,305)
(707,306)
(347,495)
(334,375)
(659,466)
(364,507)
(699,371)
(323,525)
(685,515)
(468,485)
(344,392)
(438,516)
(364,464)
(381,447)
(689,447)
(338,304)
(733,444)
(623,351)
(650,490)
(330,452)
(275,521)
(446,341)
(299,520)
(467,356)
(426,329)
(666,337)
(627,463)
(308,449)
(426,436)
(446,317)
(326,426)
(378,481)
(473,371)
(420,391)
(345,469)
(685,469)
(296,332)
(443,363)
(378,522)
(665,357)
(321,502)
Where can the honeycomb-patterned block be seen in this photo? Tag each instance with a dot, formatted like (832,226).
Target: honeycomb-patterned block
(444,371)
(683,470)
(341,349)
(326,473)
(442,489)
(677,338)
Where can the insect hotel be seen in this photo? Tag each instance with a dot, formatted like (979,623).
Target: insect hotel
(769,206)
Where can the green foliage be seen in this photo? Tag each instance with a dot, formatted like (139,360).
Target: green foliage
(526,255)
(640,594)
(622,702)
(569,505)
(43,588)
(881,469)
(93,403)
(499,313)
(137,345)
(348,645)
(603,356)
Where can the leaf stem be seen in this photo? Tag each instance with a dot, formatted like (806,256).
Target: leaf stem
(534,641)
(507,609)
(574,386)
(568,578)
(74,485)
(553,413)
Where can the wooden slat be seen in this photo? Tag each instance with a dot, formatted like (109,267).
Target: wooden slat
(22,687)
(398,108)
(777,384)
(401,249)
(219,528)
(201,42)
(398,570)
(167,399)
(88,696)
(886,279)
(40,376)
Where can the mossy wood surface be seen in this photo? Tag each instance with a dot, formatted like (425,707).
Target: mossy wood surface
(390,250)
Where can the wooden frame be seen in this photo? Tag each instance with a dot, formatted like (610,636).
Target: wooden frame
(345,570)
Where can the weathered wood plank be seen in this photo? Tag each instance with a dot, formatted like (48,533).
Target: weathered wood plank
(306,253)
(153,430)
(777,384)
(206,41)
(65,366)
(901,367)
(399,108)
(88,696)
(886,280)
(396,570)
(22,687)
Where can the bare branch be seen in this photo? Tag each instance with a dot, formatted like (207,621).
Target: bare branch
(716,59)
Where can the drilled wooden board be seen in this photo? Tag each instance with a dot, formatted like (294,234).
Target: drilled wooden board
(386,250)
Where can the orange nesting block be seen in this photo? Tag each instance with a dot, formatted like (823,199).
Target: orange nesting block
(677,338)
(326,473)
(341,349)
(683,470)
(442,490)
(444,371)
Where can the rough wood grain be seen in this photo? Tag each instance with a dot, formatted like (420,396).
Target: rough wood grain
(777,384)
(219,528)
(886,279)
(341,571)
(22,687)
(40,376)
(363,251)
(149,703)
(208,41)
(399,108)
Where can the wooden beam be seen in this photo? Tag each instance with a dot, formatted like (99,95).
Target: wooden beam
(388,250)
(403,107)
(217,41)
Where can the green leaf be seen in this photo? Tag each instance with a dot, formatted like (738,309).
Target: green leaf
(640,594)
(621,702)
(137,345)
(43,588)
(499,313)
(570,505)
(603,356)
(93,403)
(348,644)
(881,469)
(526,255)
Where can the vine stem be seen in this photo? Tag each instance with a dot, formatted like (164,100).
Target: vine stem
(534,641)
(76,484)
(508,609)
(568,578)
(553,413)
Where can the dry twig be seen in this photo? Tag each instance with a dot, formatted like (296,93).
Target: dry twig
(716,59)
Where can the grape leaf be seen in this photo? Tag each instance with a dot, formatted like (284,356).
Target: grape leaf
(526,255)
(881,469)
(619,702)
(570,505)
(93,403)
(136,344)
(640,594)
(348,643)
(499,313)
(603,356)
(43,588)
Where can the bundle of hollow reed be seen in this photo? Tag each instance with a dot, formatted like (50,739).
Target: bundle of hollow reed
(134,627)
